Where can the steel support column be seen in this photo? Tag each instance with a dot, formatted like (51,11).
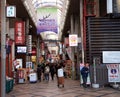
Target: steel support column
(72,48)
(3,50)
(81,29)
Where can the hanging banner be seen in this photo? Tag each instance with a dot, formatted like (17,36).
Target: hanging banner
(19,32)
(47,20)
(73,40)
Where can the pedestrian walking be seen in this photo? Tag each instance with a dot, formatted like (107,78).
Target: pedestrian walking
(60,76)
(52,71)
(39,72)
(43,70)
(84,73)
(46,73)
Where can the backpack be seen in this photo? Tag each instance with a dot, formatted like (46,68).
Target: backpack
(47,69)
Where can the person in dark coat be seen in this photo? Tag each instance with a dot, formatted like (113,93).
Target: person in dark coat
(84,73)
(52,71)
(46,72)
(39,72)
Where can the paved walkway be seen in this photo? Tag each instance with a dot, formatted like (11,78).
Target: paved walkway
(50,89)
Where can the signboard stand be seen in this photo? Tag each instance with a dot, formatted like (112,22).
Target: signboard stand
(113,74)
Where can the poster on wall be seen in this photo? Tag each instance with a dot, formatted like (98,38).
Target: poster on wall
(29,65)
(19,63)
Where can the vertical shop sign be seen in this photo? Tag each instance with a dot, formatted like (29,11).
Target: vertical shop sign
(19,32)
(30,44)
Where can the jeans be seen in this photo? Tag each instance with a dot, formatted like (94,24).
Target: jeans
(84,81)
(47,76)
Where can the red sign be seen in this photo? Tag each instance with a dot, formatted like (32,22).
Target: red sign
(19,32)
(33,51)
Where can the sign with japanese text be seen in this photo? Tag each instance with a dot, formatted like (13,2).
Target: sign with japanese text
(73,40)
(19,32)
(113,72)
(11,11)
(29,44)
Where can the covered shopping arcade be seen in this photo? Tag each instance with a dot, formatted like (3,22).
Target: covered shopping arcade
(96,29)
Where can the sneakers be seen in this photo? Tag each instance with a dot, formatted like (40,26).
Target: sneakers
(62,86)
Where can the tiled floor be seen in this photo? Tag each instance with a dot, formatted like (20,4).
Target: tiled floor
(49,89)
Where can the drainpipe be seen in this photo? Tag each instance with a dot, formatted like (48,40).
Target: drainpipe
(3,50)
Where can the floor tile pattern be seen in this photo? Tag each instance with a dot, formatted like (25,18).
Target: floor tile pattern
(49,89)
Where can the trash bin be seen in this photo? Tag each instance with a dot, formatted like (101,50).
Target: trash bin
(9,85)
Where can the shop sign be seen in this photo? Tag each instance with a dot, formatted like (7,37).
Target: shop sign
(29,44)
(111,57)
(34,51)
(73,40)
(19,33)
(33,58)
(11,11)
